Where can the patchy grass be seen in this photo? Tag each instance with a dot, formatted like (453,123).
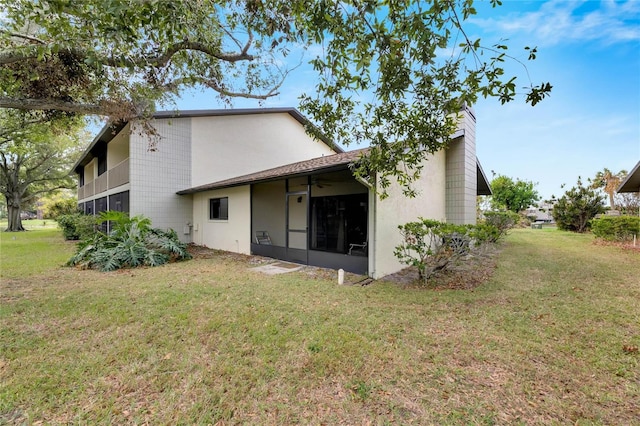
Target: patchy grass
(548,339)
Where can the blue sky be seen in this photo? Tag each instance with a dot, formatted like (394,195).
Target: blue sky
(588,50)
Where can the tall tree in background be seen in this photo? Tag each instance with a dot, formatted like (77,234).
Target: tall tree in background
(511,195)
(36,156)
(382,77)
(608,182)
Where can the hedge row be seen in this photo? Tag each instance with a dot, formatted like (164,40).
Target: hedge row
(616,228)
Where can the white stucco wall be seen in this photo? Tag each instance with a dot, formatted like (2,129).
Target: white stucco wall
(233,234)
(397,209)
(156,175)
(229,146)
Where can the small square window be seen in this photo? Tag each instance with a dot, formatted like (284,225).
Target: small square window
(219,208)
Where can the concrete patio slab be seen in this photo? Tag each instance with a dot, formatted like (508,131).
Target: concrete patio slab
(277,268)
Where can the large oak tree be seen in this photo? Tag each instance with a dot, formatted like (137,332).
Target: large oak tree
(36,156)
(391,73)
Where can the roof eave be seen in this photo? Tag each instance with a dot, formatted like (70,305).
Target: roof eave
(222,185)
(483,186)
(631,182)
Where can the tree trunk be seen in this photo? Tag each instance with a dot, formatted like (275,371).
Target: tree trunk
(15,222)
(611,202)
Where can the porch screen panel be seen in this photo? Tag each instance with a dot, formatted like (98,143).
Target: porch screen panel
(298,222)
(119,202)
(338,221)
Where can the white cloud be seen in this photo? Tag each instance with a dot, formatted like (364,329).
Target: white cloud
(560,21)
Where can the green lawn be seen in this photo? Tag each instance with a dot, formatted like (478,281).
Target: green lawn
(32,224)
(549,339)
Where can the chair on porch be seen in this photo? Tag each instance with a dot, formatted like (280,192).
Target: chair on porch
(359,248)
(262,237)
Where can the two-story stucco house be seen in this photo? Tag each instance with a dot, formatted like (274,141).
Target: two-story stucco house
(253,181)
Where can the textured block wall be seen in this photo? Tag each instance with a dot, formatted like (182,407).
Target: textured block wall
(156,175)
(461,173)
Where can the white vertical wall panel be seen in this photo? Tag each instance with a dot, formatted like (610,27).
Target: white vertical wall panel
(158,170)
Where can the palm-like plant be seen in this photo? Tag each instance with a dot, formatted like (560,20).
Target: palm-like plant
(608,182)
(132,242)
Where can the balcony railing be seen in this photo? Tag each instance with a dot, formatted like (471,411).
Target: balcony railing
(101,183)
(118,175)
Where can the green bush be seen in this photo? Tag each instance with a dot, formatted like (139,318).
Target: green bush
(575,209)
(432,246)
(77,226)
(132,242)
(616,228)
(483,233)
(59,208)
(502,221)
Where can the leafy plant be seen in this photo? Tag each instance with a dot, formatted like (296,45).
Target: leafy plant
(616,228)
(484,233)
(501,221)
(575,209)
(57,208)
(77,226)
(432,246)
(132,242)
(513,195)
(381,75)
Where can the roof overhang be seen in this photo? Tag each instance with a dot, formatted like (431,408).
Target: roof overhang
(325,164)
(631,183)
(99,143)
(483,187)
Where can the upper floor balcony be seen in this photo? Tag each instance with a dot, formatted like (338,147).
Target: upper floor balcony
(112,178)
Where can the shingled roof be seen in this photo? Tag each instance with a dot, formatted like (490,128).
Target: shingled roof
(326,163)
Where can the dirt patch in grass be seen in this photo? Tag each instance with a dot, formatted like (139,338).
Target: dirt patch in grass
(204,252)
(316,272)
(471,272)
(625,245)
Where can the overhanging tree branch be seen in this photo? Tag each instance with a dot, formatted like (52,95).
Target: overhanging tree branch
(159,60)
(51,105)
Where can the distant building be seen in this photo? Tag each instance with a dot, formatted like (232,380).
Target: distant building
(541,213)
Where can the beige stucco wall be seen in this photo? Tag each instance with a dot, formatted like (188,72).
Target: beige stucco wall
(230,235)
(91,171)
(397,209)
(229,146)
(269,210)
(118,148)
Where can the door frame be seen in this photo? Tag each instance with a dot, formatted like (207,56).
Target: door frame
(297,254)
